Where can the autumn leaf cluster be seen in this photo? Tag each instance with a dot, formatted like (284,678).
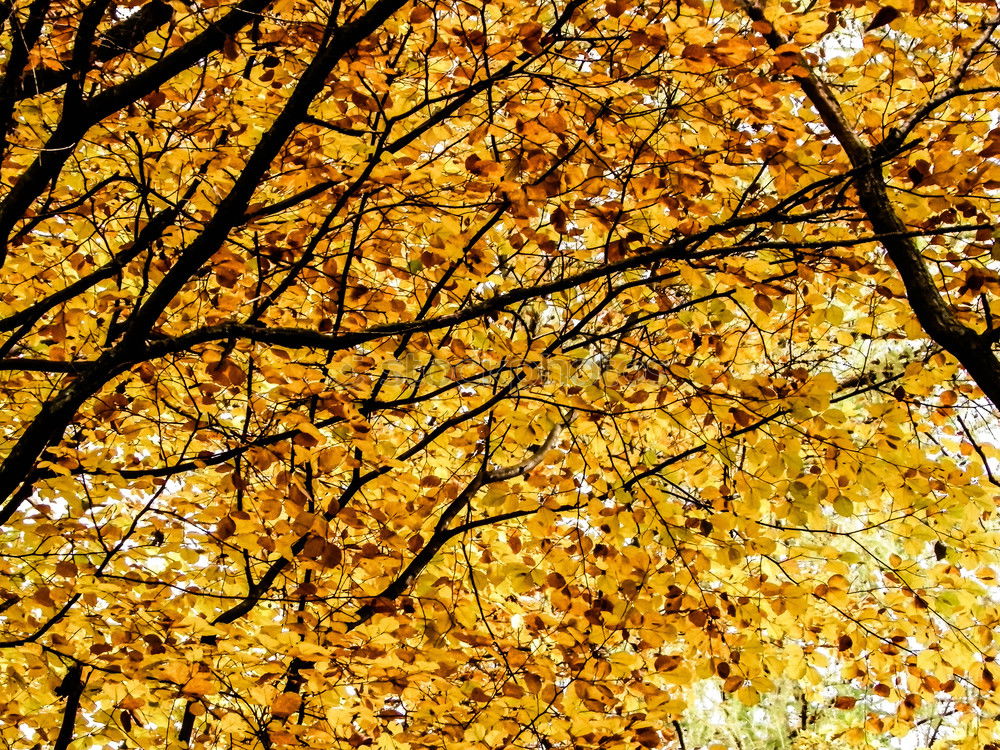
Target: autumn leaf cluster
(497,374)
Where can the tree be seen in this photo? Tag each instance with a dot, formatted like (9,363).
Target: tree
(492,374)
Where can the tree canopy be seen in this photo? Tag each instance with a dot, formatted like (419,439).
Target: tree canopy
(498,374)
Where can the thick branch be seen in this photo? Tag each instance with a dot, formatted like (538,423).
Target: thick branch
(62,143)
(936,317)
(121,38)
(52,419)
(308,339)
(71,688)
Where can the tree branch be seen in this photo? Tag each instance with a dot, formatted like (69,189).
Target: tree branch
(936,317)
(121,38)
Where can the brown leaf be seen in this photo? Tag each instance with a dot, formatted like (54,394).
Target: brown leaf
(886,15)
(230,49)
(332,556)
(420,13)
(648,737)
(285,705)
(225,528)
(732,684)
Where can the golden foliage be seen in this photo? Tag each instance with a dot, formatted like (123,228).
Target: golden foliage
(493,374)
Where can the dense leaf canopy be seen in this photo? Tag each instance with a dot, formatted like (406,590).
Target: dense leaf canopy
(497,374)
